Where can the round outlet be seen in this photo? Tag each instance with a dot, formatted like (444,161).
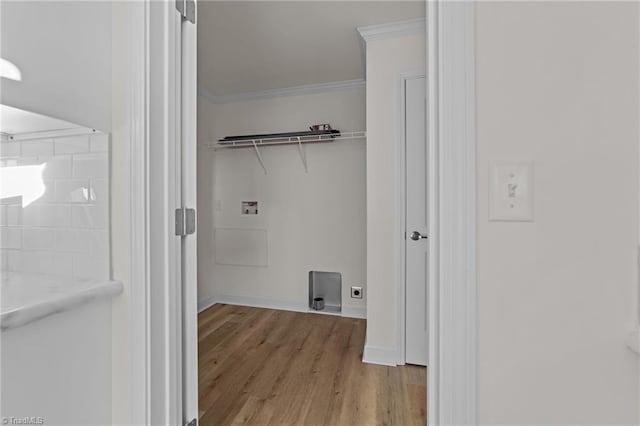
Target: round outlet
(356,292)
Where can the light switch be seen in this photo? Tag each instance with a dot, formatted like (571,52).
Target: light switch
(511,191)
(218,205)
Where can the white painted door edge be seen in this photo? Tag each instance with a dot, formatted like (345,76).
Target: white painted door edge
(189,192)
(452,358)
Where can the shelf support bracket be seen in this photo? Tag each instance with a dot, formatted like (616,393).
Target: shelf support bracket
(259,156)
(303,156)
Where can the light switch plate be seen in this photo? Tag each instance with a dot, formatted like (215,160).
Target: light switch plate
(511,191)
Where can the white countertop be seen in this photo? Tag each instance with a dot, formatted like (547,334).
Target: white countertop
(25,298)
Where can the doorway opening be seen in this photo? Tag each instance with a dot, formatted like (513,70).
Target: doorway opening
(297,182)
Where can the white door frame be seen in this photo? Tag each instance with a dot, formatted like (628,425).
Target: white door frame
(153,126)
(136,124)
(452,378)
(452,310)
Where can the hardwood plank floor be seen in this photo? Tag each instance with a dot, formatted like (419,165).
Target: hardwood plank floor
(269,367)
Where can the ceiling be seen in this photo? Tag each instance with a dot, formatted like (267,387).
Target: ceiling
(246,46)
(14,121)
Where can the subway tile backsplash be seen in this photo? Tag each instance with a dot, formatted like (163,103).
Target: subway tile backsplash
(58,167)
(64,228)
(99,143)
(89,216)
(72,145)
(10,149)
(72,191)
(38,239)
(38,147)
(90,166)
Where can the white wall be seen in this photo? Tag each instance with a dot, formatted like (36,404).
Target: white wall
(314,220)
(557,83)
(387,59)
(59,368)
(63,49)
(206,286)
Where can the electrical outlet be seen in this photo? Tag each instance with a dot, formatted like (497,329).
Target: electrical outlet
(356,292)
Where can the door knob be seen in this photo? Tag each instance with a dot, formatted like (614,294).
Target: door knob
(415,236)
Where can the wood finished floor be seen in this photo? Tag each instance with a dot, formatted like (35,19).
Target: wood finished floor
(270,367)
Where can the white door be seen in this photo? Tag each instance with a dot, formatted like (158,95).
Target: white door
(189,200)
(416,222)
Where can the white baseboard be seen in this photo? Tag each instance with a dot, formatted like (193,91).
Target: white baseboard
(354,312)
(256,302)
(380,355)
(206,303)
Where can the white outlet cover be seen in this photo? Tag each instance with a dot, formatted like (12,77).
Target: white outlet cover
(511,191)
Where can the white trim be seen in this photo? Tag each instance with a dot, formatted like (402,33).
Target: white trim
(354,312)
(257,302)
(452,358)
(155,369)
(205,304)
(401,185)
(308,89)
(163,97)
(392,29)
(139,282)
(380,355)
(188,125)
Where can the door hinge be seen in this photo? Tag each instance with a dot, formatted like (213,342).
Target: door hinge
(187,9)
(193,422)
(185,221)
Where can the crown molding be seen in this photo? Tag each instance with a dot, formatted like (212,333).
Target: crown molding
(392,29)
(307,89)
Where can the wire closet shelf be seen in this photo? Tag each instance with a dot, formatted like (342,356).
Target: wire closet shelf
(275,140)
(287,140)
